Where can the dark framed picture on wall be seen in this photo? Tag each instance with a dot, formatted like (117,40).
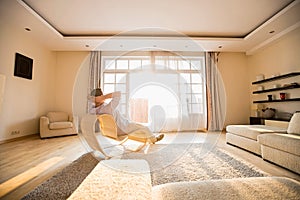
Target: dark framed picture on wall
(23,66)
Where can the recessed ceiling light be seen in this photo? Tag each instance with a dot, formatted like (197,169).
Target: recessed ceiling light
(27,29)
(271,31)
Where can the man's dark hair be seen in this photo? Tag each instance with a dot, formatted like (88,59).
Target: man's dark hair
(96,92)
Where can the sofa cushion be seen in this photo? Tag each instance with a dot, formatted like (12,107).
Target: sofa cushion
(284,142)
(294,125)
(57,116)
(252,131)
(60,125)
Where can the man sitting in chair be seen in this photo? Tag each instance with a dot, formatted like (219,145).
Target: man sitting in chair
(98,106)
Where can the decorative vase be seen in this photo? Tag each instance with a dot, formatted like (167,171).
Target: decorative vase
(260,77)
(268,113)
(282,96)
(270,97)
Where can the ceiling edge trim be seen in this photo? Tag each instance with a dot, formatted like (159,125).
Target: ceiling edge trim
(198,38)
(39,17)
(276,16)
(275,37)
(61,35)
(153,37)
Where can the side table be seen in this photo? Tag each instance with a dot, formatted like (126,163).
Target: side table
(257,121)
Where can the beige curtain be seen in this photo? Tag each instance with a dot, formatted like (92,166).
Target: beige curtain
(95,70)
(94,73)
(216,98)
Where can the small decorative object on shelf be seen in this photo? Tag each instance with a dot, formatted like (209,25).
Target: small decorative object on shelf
(256,110)
(277,77)
(270,97)
(274,75)
(260,88)
(282,96)
(260,77)
(276,86)
(268,113)
(291,85)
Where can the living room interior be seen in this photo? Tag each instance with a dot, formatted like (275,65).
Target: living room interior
(252,41)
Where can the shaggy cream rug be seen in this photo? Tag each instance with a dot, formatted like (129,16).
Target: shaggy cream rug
(168,163)
(230,189)
(193,162)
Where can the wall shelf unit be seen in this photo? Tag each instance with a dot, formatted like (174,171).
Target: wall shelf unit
(285,100)
(286,87)
(277,78)
(277,89)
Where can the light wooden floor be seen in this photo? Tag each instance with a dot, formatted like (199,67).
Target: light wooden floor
(26,163)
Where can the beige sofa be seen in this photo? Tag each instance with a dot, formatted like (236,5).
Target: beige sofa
(283,149)
(57,124)
(276,144)
(245,136)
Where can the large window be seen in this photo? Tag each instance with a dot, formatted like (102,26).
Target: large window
(172,82)
(115,75)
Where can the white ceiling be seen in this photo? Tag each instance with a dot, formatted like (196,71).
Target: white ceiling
(235,25)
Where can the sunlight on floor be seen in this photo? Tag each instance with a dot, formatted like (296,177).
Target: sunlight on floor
(186,137)
(172,138)
(113,148)
(24,177)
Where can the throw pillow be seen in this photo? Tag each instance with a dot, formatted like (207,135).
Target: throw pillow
(294,124)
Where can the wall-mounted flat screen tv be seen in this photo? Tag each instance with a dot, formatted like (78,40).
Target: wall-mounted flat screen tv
(23,66)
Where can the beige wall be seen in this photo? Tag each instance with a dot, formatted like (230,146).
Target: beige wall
(280,58)
(68,66)
(24,100)
(234,72)
(230,65)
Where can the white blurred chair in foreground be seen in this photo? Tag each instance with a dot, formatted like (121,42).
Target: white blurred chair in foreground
(108,137)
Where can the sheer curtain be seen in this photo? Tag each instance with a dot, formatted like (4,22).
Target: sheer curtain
(216,99)
(168,88)
(187,74)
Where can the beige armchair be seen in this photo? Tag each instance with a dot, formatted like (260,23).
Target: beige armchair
(58,124)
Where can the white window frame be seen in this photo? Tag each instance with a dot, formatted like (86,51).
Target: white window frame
(150,58)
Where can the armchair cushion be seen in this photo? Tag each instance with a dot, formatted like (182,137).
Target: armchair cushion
(57,116)
(60,125)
